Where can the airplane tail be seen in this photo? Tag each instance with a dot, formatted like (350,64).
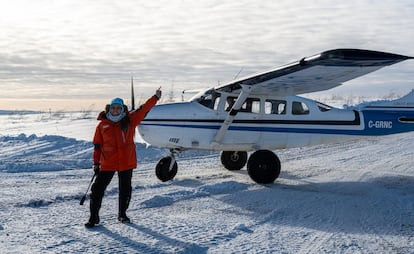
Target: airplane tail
(407,100)
(406,103)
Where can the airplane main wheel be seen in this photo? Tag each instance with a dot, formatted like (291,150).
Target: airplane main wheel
(263,166)
(233,160)
(162,170)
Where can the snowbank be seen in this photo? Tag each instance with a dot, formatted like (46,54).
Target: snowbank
(47,153)
(31,153)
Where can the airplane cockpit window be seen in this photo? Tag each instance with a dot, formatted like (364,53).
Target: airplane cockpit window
(275,107)
(209,99)
(251,105)
(299,108)
(323,107)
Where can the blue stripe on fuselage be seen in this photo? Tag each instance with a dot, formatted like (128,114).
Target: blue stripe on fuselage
(376,122)
(261,129)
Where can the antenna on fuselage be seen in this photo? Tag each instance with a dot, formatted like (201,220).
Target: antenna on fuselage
(237,75)
(132,94)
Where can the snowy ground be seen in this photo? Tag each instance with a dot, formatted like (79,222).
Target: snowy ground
(355,197)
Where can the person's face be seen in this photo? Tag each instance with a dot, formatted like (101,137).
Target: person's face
(115,109)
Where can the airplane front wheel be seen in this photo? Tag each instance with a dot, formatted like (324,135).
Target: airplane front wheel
(166,168)
(233,160)
(263,166)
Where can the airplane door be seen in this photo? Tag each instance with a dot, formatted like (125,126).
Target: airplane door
(273,134)
(244,131)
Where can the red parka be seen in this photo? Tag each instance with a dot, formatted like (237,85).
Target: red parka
(115,148)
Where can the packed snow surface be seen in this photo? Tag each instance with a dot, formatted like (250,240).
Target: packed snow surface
(353,197)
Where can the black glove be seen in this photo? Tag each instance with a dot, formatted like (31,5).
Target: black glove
(158,93)
(96,168)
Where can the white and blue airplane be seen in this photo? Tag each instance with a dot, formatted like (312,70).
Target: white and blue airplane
(262,112)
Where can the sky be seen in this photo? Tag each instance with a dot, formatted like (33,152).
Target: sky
(73,55)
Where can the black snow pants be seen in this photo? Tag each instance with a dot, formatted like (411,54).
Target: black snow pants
(99,186)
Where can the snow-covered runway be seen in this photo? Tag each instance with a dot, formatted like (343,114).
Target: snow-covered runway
(355,197)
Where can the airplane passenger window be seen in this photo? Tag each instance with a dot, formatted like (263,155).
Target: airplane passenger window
(256,106)
(252,105)
(299,108)
(275,107)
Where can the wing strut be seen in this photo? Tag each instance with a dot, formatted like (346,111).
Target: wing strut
(232,114)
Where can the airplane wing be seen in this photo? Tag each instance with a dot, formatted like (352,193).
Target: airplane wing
(315,73)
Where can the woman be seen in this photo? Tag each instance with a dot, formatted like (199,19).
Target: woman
(114,151)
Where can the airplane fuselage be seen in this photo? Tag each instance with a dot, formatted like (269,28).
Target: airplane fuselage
(267,123)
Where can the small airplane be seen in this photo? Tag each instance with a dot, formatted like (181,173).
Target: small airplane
(262,112)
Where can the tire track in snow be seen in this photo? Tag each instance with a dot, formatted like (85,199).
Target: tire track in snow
(396,195)
(196,238)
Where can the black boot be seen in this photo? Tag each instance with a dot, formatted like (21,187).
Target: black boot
(124,219)
(123,206)
(92,222)
(125,191)
(95,205)
(98,189)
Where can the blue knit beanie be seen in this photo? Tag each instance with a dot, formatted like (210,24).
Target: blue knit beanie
(118,101)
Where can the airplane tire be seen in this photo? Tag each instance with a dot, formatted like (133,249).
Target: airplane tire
(162,170)
(263,166)
(233,160)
